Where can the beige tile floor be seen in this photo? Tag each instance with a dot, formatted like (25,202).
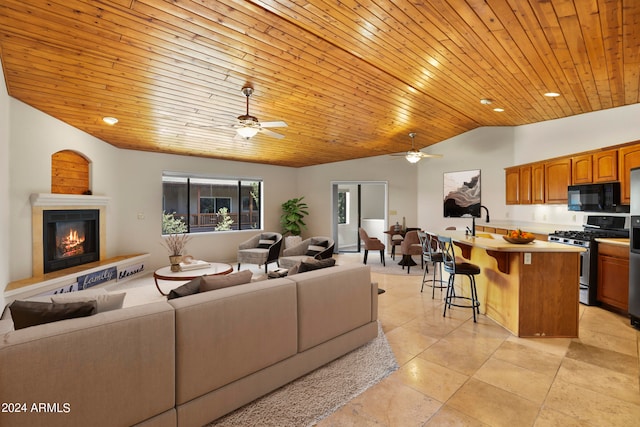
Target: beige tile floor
(457,373)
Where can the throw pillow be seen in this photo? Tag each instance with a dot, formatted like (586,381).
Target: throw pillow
(189,288)
(106,301)
(32,313)
(294,270)
(265,243)
(210,283)
(316,264)
(313,250)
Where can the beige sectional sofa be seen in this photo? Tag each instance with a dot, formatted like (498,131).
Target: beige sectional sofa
(187,361)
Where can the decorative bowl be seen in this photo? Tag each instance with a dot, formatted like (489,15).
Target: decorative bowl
(519,240)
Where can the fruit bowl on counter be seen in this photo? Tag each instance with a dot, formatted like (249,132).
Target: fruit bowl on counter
(519,237)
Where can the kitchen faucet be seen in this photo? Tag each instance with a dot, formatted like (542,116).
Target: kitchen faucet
(485,208)
(472,230)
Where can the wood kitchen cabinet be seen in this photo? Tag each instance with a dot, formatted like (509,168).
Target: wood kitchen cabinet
(605,166)
(512,181)
(525,185)
(537,184)
(613,275)
(582,169)
(628,158)
(557,177)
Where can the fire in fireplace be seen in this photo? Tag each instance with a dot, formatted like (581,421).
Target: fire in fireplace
(70,238)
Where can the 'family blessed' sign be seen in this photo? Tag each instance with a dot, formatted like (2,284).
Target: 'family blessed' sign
(95,278)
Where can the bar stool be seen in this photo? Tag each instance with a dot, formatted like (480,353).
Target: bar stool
(458,268)
(431,254)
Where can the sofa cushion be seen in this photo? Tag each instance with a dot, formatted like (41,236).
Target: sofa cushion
(106,301)
(32,313)
(189,288)
(316,264)
(213,282)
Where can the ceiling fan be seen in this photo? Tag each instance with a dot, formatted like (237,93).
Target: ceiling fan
(248,126)
(414,155)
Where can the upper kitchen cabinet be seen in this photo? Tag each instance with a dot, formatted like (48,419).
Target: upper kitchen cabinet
(628,158)
(557,178)
(582,169)
(525,185)
(605,166)
(537,183)
(512,180)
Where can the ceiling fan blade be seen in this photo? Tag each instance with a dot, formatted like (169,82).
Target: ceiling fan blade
(278,124)
(272,134)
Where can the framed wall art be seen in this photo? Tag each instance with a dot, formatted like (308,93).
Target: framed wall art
(462,193)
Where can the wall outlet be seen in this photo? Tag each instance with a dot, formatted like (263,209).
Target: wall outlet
(140,215)
(506,215)
(527,257)
(393,212)
(573,218)
(544,217)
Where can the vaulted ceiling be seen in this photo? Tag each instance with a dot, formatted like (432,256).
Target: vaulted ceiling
(350,78)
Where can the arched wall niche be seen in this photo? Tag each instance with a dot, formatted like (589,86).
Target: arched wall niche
(70,173)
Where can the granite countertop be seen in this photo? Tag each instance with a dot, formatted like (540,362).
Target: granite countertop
(618,242)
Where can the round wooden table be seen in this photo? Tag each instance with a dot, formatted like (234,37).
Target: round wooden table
(165,273)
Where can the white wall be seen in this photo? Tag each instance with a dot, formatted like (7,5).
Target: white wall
(140,192)
(315,185)
(5,224)
(492,149)
(131,179)
(487,149)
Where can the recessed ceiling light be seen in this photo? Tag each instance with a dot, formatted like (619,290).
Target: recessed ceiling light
(485,101)
(110,120)
(498,110)
(551,94)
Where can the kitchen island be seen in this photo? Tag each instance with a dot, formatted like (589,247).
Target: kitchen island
(530,289)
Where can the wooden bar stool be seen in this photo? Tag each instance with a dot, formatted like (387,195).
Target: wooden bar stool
(458,268)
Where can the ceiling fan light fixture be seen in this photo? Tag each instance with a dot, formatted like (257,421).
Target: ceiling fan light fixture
(413,156)
(247,132)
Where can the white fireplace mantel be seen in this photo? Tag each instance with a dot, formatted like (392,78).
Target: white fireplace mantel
(46,199)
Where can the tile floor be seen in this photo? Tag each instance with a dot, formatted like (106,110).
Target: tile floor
(457,373)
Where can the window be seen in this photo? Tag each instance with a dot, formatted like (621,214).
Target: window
(197,204)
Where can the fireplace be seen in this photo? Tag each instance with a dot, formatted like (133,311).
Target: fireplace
(70,238)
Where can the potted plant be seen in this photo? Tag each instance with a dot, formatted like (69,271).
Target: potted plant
(176,245)
(293,212)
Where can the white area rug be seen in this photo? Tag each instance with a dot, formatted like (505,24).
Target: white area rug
(313,397)
(392,266)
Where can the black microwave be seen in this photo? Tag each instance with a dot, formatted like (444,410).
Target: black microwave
(595,197)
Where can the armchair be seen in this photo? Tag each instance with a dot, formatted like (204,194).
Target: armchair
(371,243)
(261,249)
(318,247)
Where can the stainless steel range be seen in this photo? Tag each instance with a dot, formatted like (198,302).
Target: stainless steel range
(596,226)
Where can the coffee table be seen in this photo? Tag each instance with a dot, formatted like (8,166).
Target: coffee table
(165,273)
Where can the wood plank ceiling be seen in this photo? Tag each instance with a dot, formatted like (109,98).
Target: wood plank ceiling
(350,78)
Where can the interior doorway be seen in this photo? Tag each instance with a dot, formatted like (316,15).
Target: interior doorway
(358,204)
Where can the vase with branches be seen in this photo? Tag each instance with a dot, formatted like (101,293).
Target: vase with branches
(176,245)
